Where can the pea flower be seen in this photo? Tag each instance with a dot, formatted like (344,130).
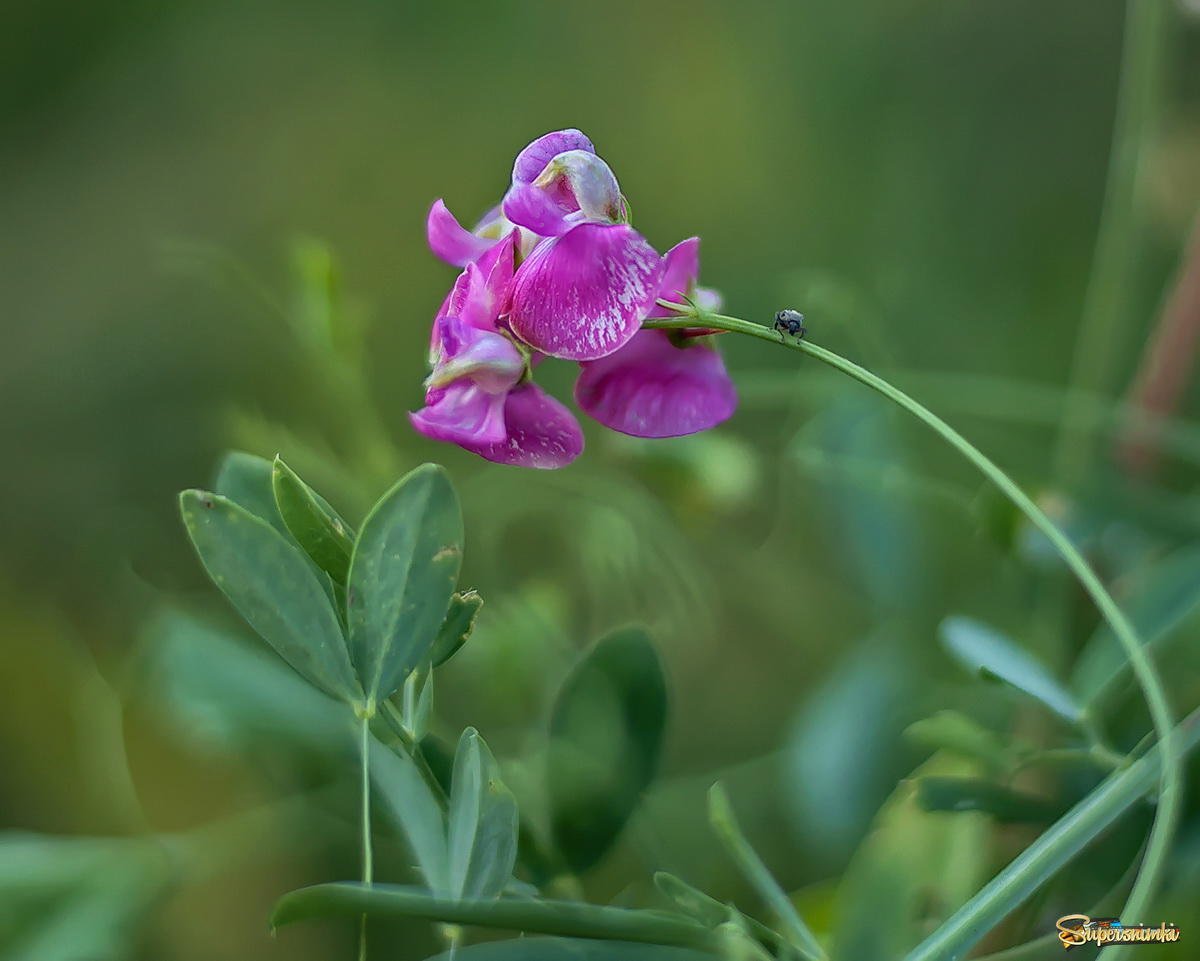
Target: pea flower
(663,383)
(480,395)
(556,270)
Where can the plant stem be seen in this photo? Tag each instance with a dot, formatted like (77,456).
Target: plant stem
(1170,790)
(391,714)
(368,868)
(1106,300)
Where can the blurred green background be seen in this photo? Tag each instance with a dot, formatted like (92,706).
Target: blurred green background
(923,179)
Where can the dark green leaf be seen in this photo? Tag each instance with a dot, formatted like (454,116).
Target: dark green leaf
(983,650)
(973,794)
(402,574)
(606,734)
(273,587)
(568,918)
(316,526)
(483,823)
(457,627)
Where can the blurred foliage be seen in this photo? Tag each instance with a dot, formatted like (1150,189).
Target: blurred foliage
(922,179)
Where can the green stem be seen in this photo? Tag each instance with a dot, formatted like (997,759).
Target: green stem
(756,872)
(368,859)
(1170,790)
(1106,300)
(391,714)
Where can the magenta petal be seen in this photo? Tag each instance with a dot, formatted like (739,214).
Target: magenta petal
(451,241)
(533,159)
(463,414)
(681,267)
(651,388)
(535,209)
(583,295)
(542,433)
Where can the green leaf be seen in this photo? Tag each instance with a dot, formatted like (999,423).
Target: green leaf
(692,901)
(402,575)
(245,479)
(566,949)
(316,526)
(457,627)
(568,918)
(1160,600)
(273,587)
(1061,842)
(483,823)
(982,650)
(960,735)
(1005,805)
(792,926)
(411,805)
(606,735)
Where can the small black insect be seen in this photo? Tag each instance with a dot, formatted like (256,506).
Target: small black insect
(791,322)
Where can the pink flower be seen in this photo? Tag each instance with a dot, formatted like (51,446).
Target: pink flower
(662,383)
(479,395)
(556,270)
(583,291)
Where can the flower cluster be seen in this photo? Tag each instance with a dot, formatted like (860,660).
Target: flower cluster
(556,270)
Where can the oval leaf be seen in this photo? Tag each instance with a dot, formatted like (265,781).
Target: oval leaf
(483,823)
(606,735)
(316,526)
(273,587)
(983,650)
(402,574)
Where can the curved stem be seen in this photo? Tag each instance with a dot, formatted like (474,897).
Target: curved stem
(1148,679)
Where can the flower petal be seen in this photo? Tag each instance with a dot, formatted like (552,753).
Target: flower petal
(681,267)
(542,433)
(651,388)
(583,295)
(534,209)
(463,414)
(533,159)
(450,240)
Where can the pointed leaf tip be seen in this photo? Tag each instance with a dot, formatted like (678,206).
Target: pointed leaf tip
(403,571)
(272,586)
